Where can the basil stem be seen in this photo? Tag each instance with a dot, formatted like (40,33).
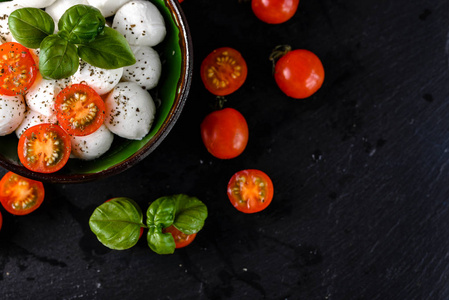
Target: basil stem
(58,58)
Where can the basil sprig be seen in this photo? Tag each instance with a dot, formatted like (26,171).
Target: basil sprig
(117,223)
(82,34)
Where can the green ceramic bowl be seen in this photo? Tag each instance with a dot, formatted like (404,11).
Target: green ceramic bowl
(177,62)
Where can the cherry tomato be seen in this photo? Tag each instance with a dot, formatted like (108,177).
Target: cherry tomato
(223,71)
(274,11)
(79,109)
(225,133)
(17,69)
(181,239)
(299,73)
(250,191)
(44,148)
(20,195)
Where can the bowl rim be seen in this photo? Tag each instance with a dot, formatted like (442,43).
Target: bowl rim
(183,85)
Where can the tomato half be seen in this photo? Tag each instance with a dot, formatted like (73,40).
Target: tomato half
(20,195)
(79,109)
(44,148)
(223,71)
(225,133)
(17,69)
(274,11)
(299,73)
(250,191)
(181,239)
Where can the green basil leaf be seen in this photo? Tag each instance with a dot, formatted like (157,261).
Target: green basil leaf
(109,50)
(29,26)
(82,22)
(161,243)
(190,214)
(117,223)
(57,58)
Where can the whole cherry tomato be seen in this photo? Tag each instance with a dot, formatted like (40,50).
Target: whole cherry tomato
(274,11)
(299,73)
(250,191)
(225,133)
(181,239)
(223,71)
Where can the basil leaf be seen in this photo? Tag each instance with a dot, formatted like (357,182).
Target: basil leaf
(161,243)
(117,223)
(82,22)
(190,214)
(57,58)
(160,214)
(109,50)
(29,26)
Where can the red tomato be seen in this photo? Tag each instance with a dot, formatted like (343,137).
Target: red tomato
(18,69)
(44,148)
(223,71)
(20,195)
(180,1)
(181,239)
(274,11)
(250,191)
(299,73)
(79,109)
(225,133)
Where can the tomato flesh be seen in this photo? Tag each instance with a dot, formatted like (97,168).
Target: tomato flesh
(223,71)
(44,148)
(225,133)
(274,11)
(250,191)
(181,239)
(20,195)
(17,69)
(79,109)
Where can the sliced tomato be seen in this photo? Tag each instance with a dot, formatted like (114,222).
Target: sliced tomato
(181,239)
(79,109)
(44,148)
(20,195)
(223,71)
(250,191)
(17,69)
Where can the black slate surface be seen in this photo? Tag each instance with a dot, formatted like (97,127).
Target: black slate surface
(360,170)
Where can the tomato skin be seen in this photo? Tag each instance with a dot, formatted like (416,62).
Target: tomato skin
(35,141)
(181,239)
(274,11)
(20,195)
(223,71)
(225,133)
(250,191)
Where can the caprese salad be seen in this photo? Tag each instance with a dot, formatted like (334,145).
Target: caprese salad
(69,82)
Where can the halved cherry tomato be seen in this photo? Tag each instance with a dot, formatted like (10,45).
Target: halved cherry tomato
(225,133)
(17,69)
(274,11)
(79,109)
(250,191)
(44,148)
(299,73)
(20,195)
(181,239)
(223,71)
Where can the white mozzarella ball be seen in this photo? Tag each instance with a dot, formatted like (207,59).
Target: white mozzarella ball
(129,111)
(92,146)
(6,8)
(41,95)
(35,3)
(101,80)
(57,9)
(12,113)
(147,69)
(33,118)
(141,23)
(107,7)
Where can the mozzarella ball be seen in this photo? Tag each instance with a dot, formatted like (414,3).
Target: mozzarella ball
(101,80)
(12,113)
(147,69)
(141,23)
(57,9)
(129,111)
(41,95)
(94,145)
(6,8)
(107,7)
(35,3)
(33,118)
